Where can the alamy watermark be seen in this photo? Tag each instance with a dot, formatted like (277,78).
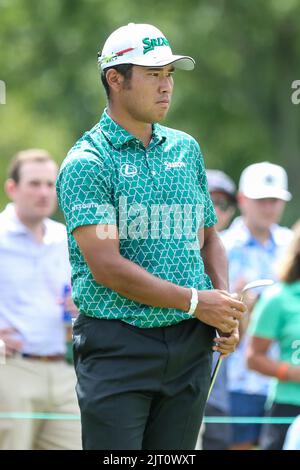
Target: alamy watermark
(2,92)
(295,97)
(149,221)
(296,353)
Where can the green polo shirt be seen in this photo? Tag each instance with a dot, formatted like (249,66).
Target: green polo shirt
(276,316)
(158,198)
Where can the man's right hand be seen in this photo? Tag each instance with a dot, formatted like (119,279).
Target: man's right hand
(219,309)
(12,344)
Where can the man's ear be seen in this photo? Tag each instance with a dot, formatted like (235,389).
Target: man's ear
(10,187)
(240,199)
(114,79)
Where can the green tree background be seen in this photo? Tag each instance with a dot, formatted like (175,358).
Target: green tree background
(236,103)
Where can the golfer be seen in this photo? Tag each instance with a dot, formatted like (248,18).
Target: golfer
(138,212)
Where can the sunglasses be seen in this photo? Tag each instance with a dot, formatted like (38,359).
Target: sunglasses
(223,204)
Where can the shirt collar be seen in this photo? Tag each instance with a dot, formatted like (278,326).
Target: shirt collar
(118,136)
(15,225)
(158,134)
(245,237)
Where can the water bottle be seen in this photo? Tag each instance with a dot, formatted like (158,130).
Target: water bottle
(67,315)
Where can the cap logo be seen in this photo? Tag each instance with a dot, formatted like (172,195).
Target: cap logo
(269,179)
(115,56)
(150,44)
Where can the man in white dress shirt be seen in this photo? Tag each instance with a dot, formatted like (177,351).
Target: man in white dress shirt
(34,270)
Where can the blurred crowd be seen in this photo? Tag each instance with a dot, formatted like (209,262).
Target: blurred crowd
(261,379)
(35,295)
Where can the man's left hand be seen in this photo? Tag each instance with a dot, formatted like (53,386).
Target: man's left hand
(226,344)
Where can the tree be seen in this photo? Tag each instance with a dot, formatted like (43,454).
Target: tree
(237,102)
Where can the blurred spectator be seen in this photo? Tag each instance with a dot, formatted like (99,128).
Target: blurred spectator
(292,440)
(254,243)
(216,436)
(223,194)
(276,317)
(34,271)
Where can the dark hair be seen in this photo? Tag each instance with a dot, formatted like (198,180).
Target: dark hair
(123,69)
(290,269)
(30,155)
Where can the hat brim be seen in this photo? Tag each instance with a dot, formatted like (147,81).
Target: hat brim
(180,61)
(268,193)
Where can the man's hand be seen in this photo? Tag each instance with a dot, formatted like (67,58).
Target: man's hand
(69,306)
(12,344)
(227,344)
(219,309)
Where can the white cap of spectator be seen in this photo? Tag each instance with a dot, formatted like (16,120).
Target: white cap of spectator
(265,180)
(218,181)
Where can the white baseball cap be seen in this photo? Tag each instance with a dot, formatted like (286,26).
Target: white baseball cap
(140,44)
(264,180)
(218,181)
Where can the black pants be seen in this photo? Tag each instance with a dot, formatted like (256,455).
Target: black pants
(141,388)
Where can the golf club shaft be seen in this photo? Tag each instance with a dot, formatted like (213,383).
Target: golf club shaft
(250,285)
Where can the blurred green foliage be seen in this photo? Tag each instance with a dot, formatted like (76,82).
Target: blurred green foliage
(237,102)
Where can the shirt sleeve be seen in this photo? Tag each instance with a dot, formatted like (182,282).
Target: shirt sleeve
(84,191)
(266,318)
(210,217)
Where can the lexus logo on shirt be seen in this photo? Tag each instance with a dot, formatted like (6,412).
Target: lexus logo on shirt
(128,170)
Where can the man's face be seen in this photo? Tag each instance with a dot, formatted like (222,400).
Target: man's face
(34,195)
(224,208)
(261,213)
(147,95)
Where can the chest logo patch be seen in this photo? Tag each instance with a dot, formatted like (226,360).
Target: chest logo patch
(171,165)
(128,170)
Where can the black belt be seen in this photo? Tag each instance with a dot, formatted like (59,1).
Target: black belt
(36,357)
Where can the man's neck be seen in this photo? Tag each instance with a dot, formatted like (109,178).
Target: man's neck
(36,227)
(141,130)
(260,234)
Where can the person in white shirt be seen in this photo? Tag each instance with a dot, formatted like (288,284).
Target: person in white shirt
(254,244)
(34,273)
